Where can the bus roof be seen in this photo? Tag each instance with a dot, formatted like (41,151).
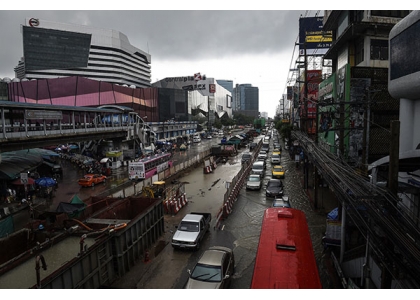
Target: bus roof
(285,258)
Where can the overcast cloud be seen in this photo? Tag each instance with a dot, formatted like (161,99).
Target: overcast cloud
(248,46)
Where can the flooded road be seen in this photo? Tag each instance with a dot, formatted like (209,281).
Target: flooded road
(167,268)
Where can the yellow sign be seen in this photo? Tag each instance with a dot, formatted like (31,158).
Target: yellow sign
(318,39)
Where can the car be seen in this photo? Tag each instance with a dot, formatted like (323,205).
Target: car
(196,139)
(92,179)
(265,146)
(274,188)
(275,159)
(246,157)
(252,146)
(262,157)
(282,201)
(277,171)
(277,151)
(214,269)
(258,167)
(277,145)
(254,182)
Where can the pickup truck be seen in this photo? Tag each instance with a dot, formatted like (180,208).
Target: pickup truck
(191,231)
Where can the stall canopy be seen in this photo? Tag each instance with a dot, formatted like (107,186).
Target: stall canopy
(15,162)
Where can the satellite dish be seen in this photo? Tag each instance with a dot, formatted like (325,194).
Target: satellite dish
(133,86)
(15,80)
(7,79)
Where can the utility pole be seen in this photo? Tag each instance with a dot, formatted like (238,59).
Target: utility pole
(305,95)
(394,157)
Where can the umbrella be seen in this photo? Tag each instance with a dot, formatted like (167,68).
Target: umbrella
(45,182)
(104,160)
(19,181)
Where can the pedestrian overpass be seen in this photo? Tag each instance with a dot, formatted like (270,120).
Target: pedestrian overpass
(26,126)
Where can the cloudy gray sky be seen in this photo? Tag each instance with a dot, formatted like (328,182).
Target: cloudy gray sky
(246,46)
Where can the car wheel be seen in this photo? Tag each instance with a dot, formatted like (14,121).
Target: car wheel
(197,247)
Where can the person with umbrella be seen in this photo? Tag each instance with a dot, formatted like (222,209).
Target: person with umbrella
(47,183)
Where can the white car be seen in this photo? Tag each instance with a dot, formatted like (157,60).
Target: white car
(196,139)
(275,159)
(262,156)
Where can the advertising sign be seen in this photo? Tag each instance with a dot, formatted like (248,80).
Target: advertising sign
(312,37)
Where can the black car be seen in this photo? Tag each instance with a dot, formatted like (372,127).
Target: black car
(246,157)
(274,188)
(252,146)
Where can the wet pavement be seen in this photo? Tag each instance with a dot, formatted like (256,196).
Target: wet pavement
(167,268)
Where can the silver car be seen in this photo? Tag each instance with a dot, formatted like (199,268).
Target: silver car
(254,182)
(258,168)
(213,270)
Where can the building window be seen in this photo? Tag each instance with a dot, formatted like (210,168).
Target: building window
(359,52)
(390,13)
(379,49)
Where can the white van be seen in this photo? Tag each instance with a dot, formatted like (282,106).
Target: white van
(196,138)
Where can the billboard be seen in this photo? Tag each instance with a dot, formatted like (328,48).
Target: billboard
(312,37)
(205,86)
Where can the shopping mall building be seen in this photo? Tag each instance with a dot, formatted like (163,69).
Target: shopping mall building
(78,65)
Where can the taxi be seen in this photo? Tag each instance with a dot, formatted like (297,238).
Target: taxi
(277,172)
(277,151)
(91,180)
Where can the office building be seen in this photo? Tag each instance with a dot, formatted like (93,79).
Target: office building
(55,50)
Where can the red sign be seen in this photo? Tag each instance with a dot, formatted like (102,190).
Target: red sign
(212,88)
(197,77)
(33,22)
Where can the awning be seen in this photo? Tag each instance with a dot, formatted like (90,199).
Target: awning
(15,162)
(19,181)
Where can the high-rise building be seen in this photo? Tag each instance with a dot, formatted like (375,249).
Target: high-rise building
(246,100)
(53,50)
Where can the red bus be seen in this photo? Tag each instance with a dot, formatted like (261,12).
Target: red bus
(285,258)
(149,166)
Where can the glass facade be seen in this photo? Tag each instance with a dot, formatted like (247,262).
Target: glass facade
(64,49)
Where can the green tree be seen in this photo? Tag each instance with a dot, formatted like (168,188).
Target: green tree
(286,131)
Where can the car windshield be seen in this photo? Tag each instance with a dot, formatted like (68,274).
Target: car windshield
(257,167)
(207,273)
(274,183)
(278,169)
(254,178)
(281,203)
(188,226)
(275,156)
